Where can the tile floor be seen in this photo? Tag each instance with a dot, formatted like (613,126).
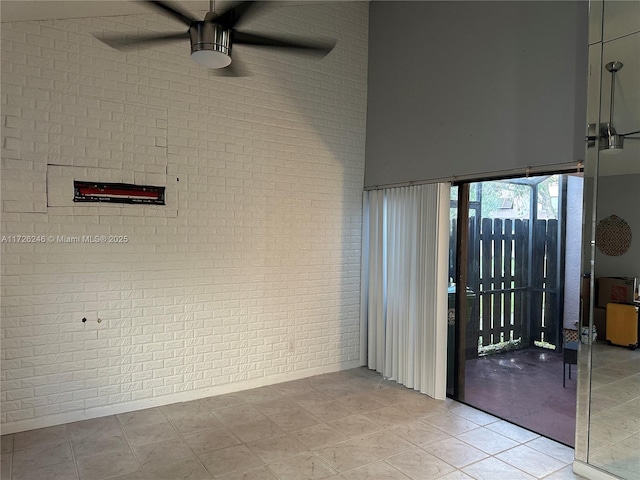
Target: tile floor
(350,425)
(614,441)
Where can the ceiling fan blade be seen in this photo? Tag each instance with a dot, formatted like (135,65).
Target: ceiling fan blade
(236,12)
(124,42)
(172,11)
(630,133)
(317,47)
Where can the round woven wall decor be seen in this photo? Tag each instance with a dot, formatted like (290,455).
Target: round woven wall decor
(613,236)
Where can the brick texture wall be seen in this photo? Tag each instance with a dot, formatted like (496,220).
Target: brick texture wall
(249,275)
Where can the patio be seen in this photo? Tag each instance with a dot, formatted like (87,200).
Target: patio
(525,387)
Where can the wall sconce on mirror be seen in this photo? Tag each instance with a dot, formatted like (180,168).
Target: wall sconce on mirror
(610,140)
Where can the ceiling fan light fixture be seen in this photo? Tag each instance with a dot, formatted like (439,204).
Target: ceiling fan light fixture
(610,140)
(612,144)
(211,58)
(210,45)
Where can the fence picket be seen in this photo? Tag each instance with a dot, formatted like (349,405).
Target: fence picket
(511,302)
(486,234)
(551,296)
(498,317)
(508,266)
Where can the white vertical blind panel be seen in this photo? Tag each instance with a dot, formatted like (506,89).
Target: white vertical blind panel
(404,308)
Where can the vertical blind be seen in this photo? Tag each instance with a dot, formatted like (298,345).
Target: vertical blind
(403,320)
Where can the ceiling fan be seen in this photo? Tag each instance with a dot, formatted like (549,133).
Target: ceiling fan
(213,38)
(610,139)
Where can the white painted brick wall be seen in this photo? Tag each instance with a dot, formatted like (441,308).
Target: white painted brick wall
(250,274)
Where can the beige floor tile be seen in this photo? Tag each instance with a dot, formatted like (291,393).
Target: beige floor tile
(104,442)
(629,408)
(385,443)
(240,414)
(633,442)
(60,471)
(531,461)
(457,475)
(276,407)
(512,431)
(389,396)
(378,470)
(294,387)
(339,390)
(476,416)
(302,467)
(392,415)
(260,473)
(261,428)
(158,454)
(419,433)
(421,405)
(192,419)
(456,452)
(210,440)
(7,443)
(89,429)
(451,423)
(487,440)
(347,455)
(294,420)
(318,436)
(564,474)
(331,378)
(41,456)
(41,437)
(5,465)
(139,475)
(420,465)
(310,398)
(183,409)
(189,468)
(100,467)
(222,401)
(553,449)
(363,402)
(618,421)
(229,459)
(618,460)
(141,417)
(602,436)
(355,425)
(373,429)
(332,410)
(276,449)
(493,469)
(144,434)
(260,394)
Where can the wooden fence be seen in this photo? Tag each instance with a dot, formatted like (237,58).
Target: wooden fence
(513,274)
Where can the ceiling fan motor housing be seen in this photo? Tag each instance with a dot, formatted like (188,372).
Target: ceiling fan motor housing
(211,41)
(609,138)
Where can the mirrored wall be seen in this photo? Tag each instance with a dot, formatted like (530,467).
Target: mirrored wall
(608,428)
